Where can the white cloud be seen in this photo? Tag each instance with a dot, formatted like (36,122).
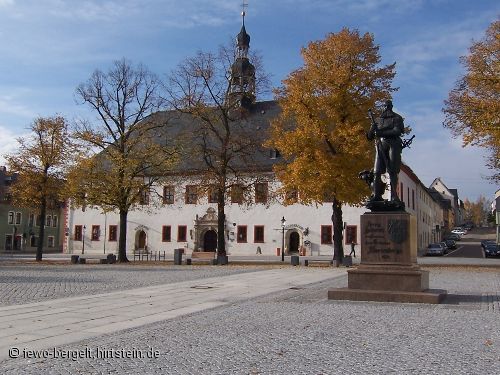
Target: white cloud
(10,104)
(5,3)
(460,168)
(8,143)
(416,53)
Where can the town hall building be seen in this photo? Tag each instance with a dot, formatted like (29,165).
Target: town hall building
(182,218)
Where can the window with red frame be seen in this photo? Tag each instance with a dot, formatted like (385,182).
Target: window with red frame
(113,233)
(213,195)
(351,234)
(78,233)
(166,233)
(168,195)
(261,192)
(258,234)
(326,234)
(242,234)
(181,233)
(191,194)
(237,194)
(96,232)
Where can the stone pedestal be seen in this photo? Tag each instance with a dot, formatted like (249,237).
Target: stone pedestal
(388,270)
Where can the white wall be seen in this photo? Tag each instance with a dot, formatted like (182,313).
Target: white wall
(298,218)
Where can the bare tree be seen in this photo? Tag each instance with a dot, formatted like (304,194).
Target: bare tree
(223,138)
(125,160)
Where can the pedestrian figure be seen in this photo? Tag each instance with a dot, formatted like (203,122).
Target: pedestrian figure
(353,250)
(259,251)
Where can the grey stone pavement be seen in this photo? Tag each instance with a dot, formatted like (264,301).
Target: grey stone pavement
(242,320)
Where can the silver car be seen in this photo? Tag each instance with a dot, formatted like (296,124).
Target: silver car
(435,249)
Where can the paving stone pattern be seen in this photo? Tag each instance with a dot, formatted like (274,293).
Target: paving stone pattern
(32,283)
(301,332)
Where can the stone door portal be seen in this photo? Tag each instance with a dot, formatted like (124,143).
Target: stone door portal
(141,240)
(210,240)
(294,242)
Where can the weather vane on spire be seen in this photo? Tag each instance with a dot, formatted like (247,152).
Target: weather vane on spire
(243,13)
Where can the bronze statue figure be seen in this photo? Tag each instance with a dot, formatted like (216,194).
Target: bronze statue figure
(386,130)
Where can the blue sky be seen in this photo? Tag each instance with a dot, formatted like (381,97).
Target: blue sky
(48,47)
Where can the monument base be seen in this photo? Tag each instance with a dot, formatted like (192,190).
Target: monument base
(431,296)
(388,271)
(393,278)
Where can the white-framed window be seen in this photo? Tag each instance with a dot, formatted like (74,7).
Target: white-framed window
(18,218)
(54,221)
(50,241)
(48,221)
(10,217)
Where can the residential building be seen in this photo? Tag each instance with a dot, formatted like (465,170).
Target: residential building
(19,227)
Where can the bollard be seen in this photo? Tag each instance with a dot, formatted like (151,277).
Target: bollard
(74,259)
(112,258)
(178,256)
(347,261)
(222,259)
(294,259)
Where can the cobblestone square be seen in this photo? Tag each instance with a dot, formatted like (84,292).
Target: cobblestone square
(298,331)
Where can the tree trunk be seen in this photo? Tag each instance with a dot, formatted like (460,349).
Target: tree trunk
(338,250)
(41,233)
(122,240)
(221,224)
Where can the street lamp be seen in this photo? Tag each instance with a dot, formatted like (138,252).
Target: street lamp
(283,223)
(83,239)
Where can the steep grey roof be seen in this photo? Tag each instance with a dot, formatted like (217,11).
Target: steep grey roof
(184,128)
(454,192)
(444,202)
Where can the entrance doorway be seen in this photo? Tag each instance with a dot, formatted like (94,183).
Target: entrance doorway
(294,242)
(141,240)
(17,242)
(8,242)
(210,241)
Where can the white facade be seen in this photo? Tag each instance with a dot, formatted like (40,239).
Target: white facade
(145,229)
(160,227)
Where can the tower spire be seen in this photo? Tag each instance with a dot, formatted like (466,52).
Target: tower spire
(243,13)
(242,71)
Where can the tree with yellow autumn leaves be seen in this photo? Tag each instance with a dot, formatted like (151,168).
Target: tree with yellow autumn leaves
(473,107)
(477,211)
(321,131)
(41,163)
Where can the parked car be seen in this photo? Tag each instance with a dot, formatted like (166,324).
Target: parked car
(459,231)
(435,249)
(491,250)
(453,236)
(486,242)
(452,245)
(445,247)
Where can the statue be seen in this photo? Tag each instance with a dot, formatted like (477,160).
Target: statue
(386,131)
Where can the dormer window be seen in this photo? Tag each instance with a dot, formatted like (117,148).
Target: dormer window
(274,153)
